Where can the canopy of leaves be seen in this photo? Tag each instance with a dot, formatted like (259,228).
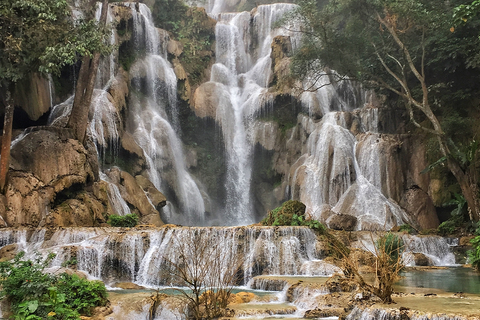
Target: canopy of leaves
(42,36)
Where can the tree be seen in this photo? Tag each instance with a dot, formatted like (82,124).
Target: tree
(405,49)
(78,120)
(39,36)
(207,270)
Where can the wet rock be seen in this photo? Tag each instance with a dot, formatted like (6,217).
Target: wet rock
(128,286)
(343,222)
(208,97)
(324,313)
(419,206)
(132,154)
(422,260)
(157,198)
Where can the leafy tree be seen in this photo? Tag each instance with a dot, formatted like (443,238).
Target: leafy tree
(39,37)
(407,51)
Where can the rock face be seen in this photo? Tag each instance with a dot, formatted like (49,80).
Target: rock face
(46,165)
(135,190)
(419,206)
(34,96)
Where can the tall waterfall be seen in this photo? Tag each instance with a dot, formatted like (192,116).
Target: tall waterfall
(241,75)
(154,121)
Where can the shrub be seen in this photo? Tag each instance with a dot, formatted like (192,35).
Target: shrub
(284,215)
(129,220)
(447,227)
(406,228)
(474,254)
(82,295)
(36,295)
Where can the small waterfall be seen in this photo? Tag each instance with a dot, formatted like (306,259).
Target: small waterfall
(142,256)
(394,314)
(436,248)
(154,85)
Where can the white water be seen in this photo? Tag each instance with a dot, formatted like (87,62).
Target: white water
(154,92)
(241,74)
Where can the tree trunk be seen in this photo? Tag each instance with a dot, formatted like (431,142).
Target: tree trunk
(468,189)
(6,140)
(78,120)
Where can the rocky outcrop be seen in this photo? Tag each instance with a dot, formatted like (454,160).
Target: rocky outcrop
(280,55)
(46,165)
(419,206)
(134,191)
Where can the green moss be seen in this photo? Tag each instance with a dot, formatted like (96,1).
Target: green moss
(284,215)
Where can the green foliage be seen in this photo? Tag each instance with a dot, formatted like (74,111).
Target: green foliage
(81,294)
(41,36)
(458,215)
(291,213)
(283,215)
(392,245)
(406,228)
(34,294)
(129,220)
(70,262)
(474,254)
(193,28)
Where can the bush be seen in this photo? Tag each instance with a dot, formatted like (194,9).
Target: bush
(82,295)
(35,295)
(474,254)
(447,227)
(406,228)
(130,220)
(291,213)
(284,215)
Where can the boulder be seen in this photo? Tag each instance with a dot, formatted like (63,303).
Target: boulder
(208,97)
(419,207)
(48,186)
(52,157)
(342,222)
(422,260)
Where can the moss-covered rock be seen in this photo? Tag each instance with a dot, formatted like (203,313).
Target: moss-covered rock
(284,215)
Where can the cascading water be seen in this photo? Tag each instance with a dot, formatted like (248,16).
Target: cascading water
(241,75)
(154,94)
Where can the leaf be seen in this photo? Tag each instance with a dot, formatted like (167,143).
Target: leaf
(32,306)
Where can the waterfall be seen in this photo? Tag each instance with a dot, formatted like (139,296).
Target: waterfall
(142,255)
(373,313)
(154,92)
(241,75)
(436,248)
